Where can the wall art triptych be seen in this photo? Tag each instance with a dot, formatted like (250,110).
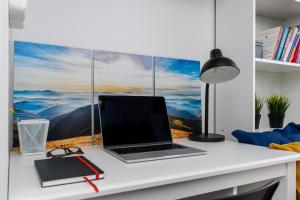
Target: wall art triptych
(61,84)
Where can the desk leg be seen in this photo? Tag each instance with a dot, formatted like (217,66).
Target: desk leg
(287,186)
(235,191)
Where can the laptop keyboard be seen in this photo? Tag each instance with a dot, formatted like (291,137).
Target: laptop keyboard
(140,149)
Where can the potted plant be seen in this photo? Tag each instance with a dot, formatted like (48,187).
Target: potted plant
(277,106)
(259,103)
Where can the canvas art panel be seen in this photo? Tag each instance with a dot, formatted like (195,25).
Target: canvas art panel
(53,82)
(121,74)
(62,83)
(178,81)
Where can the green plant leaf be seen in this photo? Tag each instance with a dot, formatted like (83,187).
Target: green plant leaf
(277,104)
(259,103)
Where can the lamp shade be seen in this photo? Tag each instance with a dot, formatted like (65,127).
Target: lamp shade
(218,69)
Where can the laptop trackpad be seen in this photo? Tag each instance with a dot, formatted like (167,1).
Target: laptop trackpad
(155,155)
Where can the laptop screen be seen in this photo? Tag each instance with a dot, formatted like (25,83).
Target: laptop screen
(129,120)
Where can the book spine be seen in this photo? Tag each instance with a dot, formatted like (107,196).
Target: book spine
(297,53)
(290,45)
(294,58)
(277,43)
(298,59)
(290,34)
(282,43)
(295,44)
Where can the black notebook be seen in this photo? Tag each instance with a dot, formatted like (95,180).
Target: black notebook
(60,171)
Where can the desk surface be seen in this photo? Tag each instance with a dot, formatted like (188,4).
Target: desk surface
(222,158)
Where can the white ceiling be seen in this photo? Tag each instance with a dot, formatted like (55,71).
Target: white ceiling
(278,9)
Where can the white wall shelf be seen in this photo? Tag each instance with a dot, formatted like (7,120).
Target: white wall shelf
(278,9)
(264,65)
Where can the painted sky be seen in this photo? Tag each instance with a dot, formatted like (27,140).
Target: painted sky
(123,73)
(50,67)
(176,76)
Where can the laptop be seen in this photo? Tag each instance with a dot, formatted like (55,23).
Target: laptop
(136,129)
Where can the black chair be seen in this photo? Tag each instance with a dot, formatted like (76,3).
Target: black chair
(265,192)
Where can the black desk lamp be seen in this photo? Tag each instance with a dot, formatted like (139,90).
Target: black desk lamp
(218,69)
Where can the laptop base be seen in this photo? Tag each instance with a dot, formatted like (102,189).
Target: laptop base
(157,155)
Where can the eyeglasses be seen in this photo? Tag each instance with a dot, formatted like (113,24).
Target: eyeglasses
(62,152)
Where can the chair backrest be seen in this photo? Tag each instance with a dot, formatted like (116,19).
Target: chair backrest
(265,192)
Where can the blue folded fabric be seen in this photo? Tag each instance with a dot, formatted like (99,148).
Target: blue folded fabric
(290,128)
(260,139)
(293,137)
(290,133)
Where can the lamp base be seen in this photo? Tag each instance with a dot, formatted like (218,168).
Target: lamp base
(211,137)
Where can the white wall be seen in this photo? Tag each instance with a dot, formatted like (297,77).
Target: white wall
(291,88)
(172,28)
(293,21)
(235,105)
(264,23)
(287,84)
(4,88)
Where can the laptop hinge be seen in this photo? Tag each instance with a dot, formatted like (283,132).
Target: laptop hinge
(137,145)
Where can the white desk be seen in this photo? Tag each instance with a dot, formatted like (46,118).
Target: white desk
(227,165)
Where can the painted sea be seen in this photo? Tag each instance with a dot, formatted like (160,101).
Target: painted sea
(184,106)
(69,112)
(50,104)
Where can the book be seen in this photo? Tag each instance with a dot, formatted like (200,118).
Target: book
(270,41)
(282,42)
(298,58)
(66,170)
(289,37)
(294,46)
(277,42)
(290,44)
(295,54)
